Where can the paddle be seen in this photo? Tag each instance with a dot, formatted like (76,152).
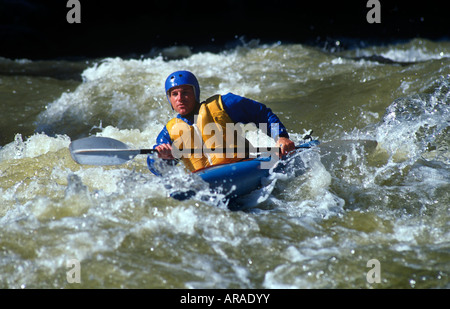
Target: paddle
(98,150)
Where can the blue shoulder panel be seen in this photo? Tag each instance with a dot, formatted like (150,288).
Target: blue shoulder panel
(244,110)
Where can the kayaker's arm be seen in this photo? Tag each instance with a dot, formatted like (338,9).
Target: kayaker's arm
(164,145)
(164,151)
(244,110)
(286,145)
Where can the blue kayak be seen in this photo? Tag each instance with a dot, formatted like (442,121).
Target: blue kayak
(235,180)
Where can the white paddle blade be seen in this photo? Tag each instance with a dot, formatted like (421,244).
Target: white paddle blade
(103,156)
(101,151)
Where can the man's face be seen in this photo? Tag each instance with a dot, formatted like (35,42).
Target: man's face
(182,99)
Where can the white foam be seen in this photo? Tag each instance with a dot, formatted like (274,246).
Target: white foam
(414,54)
(34,146)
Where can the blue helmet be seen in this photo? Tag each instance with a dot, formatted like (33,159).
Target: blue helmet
(180,78)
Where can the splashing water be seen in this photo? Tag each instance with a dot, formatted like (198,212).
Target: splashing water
(317,229)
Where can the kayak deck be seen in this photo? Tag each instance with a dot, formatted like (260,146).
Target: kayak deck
(235,180)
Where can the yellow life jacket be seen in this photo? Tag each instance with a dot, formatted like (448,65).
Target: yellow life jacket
(208,132)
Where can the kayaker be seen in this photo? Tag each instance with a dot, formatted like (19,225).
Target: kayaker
(215,114)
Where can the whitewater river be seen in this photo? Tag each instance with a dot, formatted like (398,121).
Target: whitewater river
(355,219)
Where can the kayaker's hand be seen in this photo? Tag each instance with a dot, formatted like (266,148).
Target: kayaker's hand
(286,145)
(165,151)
